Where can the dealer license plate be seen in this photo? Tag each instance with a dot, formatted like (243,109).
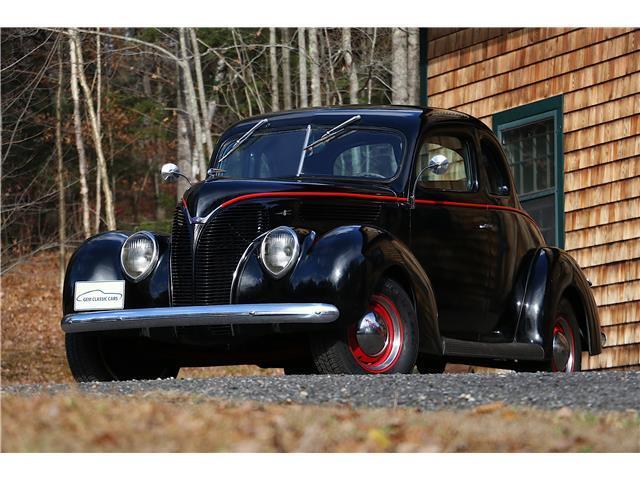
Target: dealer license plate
(99,295)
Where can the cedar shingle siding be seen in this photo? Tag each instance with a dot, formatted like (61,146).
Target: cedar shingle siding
(597,71)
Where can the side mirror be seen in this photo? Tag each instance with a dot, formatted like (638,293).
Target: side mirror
(438,164)
(170,173)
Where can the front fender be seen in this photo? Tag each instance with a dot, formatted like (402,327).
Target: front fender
(554,275)
(343,267)
(98,259)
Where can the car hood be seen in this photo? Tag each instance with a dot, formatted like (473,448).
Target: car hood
(204,197)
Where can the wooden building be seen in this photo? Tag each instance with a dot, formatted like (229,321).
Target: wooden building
(565,103)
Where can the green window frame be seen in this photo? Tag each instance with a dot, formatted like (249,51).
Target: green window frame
(525,115)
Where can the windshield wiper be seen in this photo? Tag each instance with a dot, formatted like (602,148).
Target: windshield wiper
(333,133)
(243,139)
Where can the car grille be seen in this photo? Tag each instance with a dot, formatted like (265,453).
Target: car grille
(207,280)
(220,246)
(181,260)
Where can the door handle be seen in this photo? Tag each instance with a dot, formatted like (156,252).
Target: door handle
(487,226)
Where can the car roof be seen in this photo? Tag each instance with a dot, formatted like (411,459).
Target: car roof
(329,113)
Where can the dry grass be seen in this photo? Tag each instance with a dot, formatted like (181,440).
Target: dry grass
(172,422)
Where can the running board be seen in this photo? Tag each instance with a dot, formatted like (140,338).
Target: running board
(502,351)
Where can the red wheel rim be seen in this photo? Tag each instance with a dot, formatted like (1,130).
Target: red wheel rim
(387,314)
(563,346)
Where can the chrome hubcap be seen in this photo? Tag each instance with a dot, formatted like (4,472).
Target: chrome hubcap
(562,346)
(372,334)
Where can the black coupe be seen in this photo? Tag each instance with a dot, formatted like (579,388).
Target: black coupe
(334,240)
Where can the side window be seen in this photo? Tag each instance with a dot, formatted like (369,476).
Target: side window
(452,154)
(494,167)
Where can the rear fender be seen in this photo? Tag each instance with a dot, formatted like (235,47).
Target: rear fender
(552,276)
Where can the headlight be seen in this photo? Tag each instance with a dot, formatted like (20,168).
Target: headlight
(279,250)
(139,255)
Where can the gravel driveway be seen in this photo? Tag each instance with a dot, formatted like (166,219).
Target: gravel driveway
(588,390)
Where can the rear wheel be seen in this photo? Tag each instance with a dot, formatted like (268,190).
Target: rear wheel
(383,340)
(95,358)
(566,345)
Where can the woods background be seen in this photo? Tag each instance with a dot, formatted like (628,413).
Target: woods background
(89,115)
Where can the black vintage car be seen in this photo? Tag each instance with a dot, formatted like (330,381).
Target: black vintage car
(334,240)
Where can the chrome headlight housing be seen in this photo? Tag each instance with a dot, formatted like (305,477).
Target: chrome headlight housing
(139,255)
(279,251)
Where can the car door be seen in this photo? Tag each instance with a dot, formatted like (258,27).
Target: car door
(508,240)
(449,230)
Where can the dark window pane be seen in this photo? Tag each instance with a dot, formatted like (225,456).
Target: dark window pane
(530,151)
(542,209)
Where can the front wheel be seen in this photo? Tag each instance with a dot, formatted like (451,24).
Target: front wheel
(383,340)
(96,358)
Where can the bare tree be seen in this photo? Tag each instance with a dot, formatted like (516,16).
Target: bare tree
(302,66)
(62,213)
(99,122)
(413,46)
(95,129)
(350,65)
(206,117)
(77,123)
(273,62)
(314,57)
(184,158)
(371,58)
(399,66)
(199,164)
(286,69)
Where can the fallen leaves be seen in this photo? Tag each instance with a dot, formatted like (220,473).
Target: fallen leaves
(175,422)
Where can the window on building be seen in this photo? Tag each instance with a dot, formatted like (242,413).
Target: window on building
(531,136)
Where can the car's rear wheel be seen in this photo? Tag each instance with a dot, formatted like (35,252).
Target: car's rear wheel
(383,340)
(95,358)
(563,333)
(566,345)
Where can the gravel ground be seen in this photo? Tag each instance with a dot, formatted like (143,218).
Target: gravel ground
(588,390)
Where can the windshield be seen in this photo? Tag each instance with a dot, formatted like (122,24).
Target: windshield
(358,152)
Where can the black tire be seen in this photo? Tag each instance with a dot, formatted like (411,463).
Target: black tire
(335,352)
(430,364)
(564,318)
(93,358)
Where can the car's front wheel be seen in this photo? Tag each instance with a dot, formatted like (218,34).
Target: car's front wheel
(383,340)
(96,358)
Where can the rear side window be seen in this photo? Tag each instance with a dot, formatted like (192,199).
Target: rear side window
(494,167)
(445,149)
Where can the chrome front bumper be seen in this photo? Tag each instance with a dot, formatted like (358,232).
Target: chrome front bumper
(260,313)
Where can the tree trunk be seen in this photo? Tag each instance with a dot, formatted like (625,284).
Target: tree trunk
(350,66)
(77,123)
(273,62)
(206,121)
(95,129)
(399,66)
(286,69)
(413,50)
(192,108)
(99,121)
(183,153)
(62,214)
(314,56)
(371,59)
(303,101)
